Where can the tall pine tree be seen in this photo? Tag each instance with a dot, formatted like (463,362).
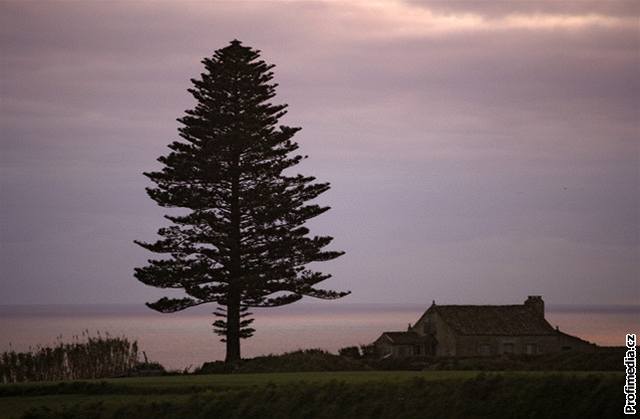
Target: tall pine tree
(242,241)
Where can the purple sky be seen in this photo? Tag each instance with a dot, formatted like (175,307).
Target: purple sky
(478,151)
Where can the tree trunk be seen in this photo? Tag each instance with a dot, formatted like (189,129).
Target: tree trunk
(233,332)
(233,303)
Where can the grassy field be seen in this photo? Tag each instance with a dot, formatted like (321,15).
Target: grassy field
(169,394)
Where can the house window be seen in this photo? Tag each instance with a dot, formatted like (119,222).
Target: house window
(507,348)
(531,349)
(484,350)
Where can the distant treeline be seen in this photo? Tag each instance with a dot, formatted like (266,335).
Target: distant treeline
(84,358)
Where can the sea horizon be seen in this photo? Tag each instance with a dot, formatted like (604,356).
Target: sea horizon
(185,339)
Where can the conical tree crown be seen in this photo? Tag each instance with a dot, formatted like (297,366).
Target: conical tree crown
(243,237)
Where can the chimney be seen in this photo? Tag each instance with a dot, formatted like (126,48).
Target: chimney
(536,303)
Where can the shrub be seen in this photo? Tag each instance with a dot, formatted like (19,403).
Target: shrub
(352,352)
(84,358)
(297,361)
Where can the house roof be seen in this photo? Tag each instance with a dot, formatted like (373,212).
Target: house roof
(403,338)
(575,338)
(493,320)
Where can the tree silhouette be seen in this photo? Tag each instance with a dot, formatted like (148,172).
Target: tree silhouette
(242,242)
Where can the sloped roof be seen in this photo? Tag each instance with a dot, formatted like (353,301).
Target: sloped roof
(404,338)
(576,338)
(508,320)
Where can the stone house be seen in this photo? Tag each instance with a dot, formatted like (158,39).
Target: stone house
(480,330)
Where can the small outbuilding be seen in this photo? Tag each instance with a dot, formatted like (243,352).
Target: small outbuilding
(402,344)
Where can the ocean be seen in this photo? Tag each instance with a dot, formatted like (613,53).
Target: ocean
(185,339)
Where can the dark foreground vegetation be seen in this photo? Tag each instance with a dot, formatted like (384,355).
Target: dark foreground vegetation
(86,357)
(604,359)
(308,384)
(297,361)
(350,359)
(375,394)
(107,357)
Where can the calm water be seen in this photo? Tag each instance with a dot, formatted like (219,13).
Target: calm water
(185,339)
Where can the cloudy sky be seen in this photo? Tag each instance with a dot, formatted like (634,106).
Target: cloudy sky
(478,151)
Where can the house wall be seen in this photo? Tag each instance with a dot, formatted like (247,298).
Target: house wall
(528,345)
(498,345)
(384,347)
(401,351)
(432,323)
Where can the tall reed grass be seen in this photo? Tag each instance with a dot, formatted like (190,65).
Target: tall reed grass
(85,357)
